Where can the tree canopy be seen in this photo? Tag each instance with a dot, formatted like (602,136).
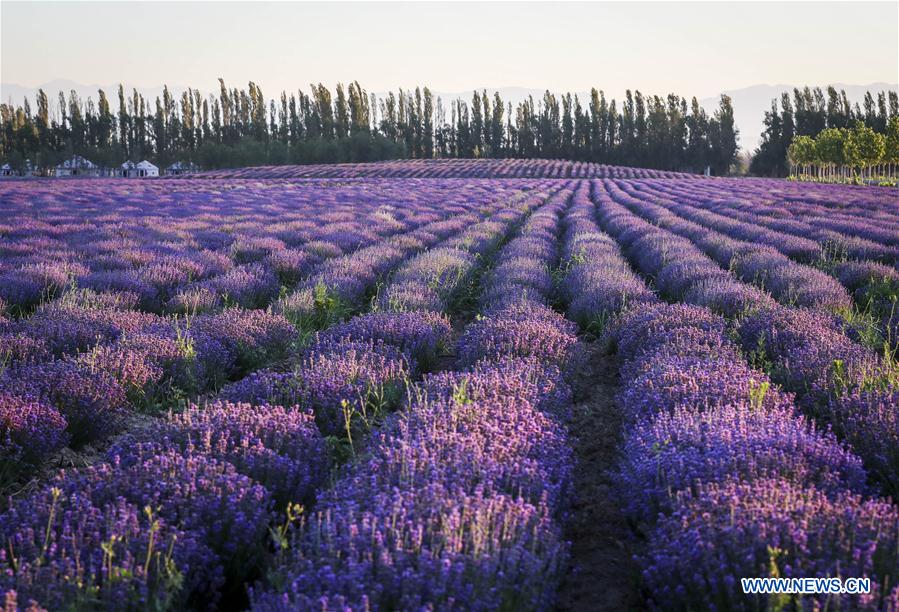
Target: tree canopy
(810,112)
(241,127)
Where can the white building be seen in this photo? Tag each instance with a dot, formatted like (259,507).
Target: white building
(181,168)
(77,166)
(127,170)
(145,168)
(141,169)
(6,171)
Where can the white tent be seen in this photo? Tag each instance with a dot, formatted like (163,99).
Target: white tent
(145,168)
(139,170)
(77,166)
(181,168)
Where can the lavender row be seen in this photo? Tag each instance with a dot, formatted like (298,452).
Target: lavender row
(598,283)
(792,235)
(455,506)
(705,432)
(426,282)
(873,286)
(446,168)
(151,242)
(210,479)
(728,481)
(836,379)
(359,369)
(789,282)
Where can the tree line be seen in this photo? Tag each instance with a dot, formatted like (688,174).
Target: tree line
(841,154)
(808,112)
(240,127)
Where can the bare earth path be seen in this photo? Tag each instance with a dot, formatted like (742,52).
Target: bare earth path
(601,574)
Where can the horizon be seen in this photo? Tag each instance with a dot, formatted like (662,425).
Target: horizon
(51,86)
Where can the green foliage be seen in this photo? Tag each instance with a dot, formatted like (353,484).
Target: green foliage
(828,120)
(802,150)
(240,128)
(829,146)
(863,146)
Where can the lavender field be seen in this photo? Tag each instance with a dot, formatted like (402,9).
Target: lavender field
(447,385)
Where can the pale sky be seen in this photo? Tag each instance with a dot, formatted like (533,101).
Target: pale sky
(689,48)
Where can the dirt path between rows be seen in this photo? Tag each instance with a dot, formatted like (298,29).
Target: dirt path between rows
(601,574)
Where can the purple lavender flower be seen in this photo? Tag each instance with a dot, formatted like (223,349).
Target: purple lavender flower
(769,527)
(368,376)
(62,550)
(421,335)
(93,403)
(280,448)
(546,336)
(30,430)
(676,451)
(196,493)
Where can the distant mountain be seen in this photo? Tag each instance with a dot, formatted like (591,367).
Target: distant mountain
(750,103)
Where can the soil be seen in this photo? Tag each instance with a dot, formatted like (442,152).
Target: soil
(601,573)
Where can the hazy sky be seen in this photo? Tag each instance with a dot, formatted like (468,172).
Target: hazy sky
(691,48)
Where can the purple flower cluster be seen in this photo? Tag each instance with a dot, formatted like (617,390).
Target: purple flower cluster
(771,527)
(244,338)
(869,420)
(531,331)
(598,282)
(266,387)
(224,511)
(248,286)
(279,448)
(59,330)
(61,551)
(30,430)
(369,376)
(704,432)
(424,336)
(458,499)
(437,168)
(426,282)
(93,403)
